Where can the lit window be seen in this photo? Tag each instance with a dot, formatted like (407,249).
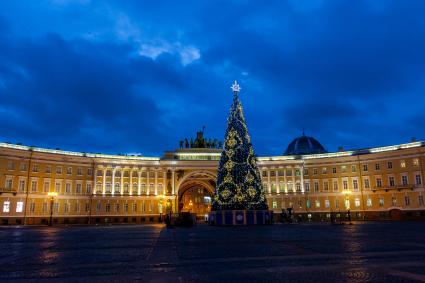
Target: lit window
(415,162)
(403,164)
(347,204)
(308,203)
(274,204)
(317,203)
(357,202)
(327,203)
(381,201)
(369,202)
(324,170)
(394,201)
(343,168)
(6,206)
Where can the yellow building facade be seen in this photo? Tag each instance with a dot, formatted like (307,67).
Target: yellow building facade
(38,184)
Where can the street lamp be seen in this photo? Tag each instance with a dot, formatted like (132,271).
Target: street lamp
(52,195)
(347,194)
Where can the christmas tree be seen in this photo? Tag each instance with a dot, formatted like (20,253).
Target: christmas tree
(238,181)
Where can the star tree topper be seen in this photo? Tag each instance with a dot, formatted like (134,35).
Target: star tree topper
(235,87)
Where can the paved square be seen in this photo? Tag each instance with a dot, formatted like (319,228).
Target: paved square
(363,252)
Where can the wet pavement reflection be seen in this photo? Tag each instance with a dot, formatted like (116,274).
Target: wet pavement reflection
(362,252)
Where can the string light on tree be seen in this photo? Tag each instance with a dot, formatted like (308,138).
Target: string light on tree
(239,183)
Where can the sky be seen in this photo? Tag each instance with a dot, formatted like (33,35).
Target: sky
(138,76)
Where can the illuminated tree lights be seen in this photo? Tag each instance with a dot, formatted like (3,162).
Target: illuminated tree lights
(238,181)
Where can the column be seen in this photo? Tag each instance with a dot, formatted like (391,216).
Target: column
(139,174)
(148,185)
(156,182)
(302,178)
(164,182)
(122,181)
(277,181)
(173,178)
(103,181)
(293,179)
(131,181)
(285,180)
(113,181)
(269,187)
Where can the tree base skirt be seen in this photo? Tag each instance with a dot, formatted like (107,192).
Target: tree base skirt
(240,217)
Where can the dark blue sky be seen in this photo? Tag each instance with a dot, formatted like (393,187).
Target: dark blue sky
(137,76)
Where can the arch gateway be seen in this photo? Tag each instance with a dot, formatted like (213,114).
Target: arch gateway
(76,187)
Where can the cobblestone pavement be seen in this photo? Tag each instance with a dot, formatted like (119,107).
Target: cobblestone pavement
(363,252)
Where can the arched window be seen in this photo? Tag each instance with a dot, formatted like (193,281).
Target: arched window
(135,187)
(117,188)
(143,189)
(99,187)
(108,173)
(135,174)
(126,188)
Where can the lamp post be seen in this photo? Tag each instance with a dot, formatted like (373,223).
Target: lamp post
(347,194)
(52,196)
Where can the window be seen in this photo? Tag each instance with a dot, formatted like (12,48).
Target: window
(68,188)
(58,187)
(305,171)
(377,166)
(355,184)
(415,162)
(151,188)
(108,207)
(418,180)
(315,171)
(421,200)
(272,173)
(135,187)
(117,207)
(99,206)
(88,188)
(99,173)
(48,169)
(78,188)
(333,170)
(326,186)
(87,207)
(365,167)
(56,207)
(403,164)
(366,184)
(394,201)
(353,168)
(117,188)
(59,170)
(10,165)
(345,184)
(127,188)
(317,203)
(44,207)
(23,167)
(21,185)
(35,168)
(381,201)
(264,173)
(391,181)
(32,207)
(108,188)
(34,186)
(69,170)
(378,182)
(357,202)
(143,189)
(308,203)
(369,202)
(404,180)
(335,185)
(6,206)
(46,187)
(274,204)
(324,170)
(307,187)
(66,207)
(407,200)
(89,171)
(134,207)
(77,206)
(389,165)
(337,203)
(9,184)
(327,203)
(298,187)
(79,171)
(316,186)
(347,203)
(343,168)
